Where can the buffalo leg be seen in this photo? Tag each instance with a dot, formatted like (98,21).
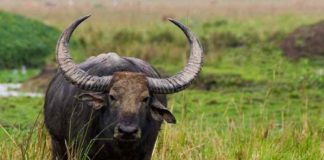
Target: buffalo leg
(58,150)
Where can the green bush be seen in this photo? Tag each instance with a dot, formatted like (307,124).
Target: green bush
(127,36)
(162,37)
(24,41)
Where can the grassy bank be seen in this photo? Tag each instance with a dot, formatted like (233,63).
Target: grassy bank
(16,75)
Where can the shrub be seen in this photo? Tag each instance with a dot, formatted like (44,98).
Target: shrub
(224,40)
(127,36)
(162,37)
(24,41)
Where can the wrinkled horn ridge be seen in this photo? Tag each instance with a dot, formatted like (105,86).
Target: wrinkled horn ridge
(182,79)
(70,70)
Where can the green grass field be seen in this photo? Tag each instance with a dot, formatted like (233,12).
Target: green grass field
(249,101)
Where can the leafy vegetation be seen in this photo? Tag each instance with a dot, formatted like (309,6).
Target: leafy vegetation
(24,41)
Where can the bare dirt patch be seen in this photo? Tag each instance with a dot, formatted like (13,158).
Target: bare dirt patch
(305,41)
(41,81)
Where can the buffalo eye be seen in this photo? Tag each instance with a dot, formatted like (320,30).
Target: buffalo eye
(145,99)
(112,98)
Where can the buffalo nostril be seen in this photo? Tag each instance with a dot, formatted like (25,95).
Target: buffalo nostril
(127,129)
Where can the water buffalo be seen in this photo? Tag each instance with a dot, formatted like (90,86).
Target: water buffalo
(111,107)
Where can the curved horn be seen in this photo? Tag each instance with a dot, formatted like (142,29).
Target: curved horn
(182,79)
(70,70)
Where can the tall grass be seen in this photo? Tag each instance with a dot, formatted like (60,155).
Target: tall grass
(35,144)
(197,136)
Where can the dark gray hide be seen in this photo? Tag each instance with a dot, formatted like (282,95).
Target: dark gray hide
(68,120)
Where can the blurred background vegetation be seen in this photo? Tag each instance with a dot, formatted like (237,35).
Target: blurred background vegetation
(260,94)
(24,41)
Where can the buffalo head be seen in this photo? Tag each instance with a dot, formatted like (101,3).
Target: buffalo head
(126,105)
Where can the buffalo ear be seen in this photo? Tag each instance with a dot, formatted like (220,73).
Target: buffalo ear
(160,112)
(95,100)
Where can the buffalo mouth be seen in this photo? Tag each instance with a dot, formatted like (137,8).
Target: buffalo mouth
(126,139)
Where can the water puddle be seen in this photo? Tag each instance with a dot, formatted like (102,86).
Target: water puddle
(13,90)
